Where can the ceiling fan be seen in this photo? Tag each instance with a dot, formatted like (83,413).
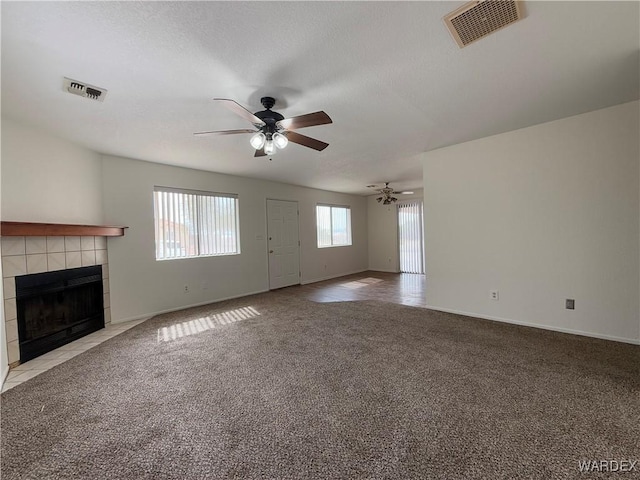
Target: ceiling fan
(273,131)
(387,192)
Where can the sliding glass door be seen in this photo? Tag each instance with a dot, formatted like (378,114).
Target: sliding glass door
(411,236)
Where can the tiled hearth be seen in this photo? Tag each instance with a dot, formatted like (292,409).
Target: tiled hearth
(32,368)
(27,255)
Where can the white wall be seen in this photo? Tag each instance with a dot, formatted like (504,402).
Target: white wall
(542,214)
(383,233)
(47,179)
(141,286)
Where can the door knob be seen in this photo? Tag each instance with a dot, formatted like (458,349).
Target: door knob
(270,251)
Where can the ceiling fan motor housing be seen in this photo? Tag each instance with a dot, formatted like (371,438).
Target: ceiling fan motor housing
(268,116)
(387,192)
(268,102)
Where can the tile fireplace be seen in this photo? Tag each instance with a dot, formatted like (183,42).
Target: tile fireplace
(23,256)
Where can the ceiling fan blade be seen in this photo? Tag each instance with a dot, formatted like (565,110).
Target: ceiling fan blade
(402,193)
(226,132)
(306,141)
(260,153)
(302,121)
(238,109)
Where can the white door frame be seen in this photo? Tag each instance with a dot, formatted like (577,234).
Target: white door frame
(268,249)
(421,232)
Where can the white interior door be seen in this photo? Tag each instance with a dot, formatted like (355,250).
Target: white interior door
(283,243)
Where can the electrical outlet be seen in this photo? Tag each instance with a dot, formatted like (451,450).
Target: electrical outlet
(494,295)
(570,304)
(186,288)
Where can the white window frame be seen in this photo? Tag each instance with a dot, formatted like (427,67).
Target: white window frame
(202,216)
(411,235)
(319,235)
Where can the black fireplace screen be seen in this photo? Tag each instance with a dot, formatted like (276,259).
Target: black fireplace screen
(55,308)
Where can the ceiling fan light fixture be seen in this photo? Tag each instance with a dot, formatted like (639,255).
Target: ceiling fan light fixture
(269,147)
(257,141)
(280,140)
(387,192)
(271,131)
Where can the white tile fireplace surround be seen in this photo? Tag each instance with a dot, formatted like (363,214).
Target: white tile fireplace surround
(27,255)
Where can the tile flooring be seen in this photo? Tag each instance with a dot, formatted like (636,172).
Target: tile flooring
(403,288)
(34,367)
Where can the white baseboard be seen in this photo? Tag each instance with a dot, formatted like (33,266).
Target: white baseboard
(147,316)
(538,325)
(322,279)
(383,270)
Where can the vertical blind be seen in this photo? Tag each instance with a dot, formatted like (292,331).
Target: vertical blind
(191,223)
(410,233)
(334,225)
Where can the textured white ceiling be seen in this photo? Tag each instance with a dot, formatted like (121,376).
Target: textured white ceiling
(388,74)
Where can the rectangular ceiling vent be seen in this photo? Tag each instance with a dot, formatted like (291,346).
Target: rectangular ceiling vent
(477,19)
(84,90)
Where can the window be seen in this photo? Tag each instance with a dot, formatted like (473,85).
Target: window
(192,223)
(410,236)
(334,225)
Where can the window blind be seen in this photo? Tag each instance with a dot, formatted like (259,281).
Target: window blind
(192,223)
(410,232)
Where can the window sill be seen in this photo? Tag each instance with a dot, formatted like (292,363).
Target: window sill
(198,256)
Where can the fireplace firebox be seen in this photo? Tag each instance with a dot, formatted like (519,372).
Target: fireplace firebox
(56,308)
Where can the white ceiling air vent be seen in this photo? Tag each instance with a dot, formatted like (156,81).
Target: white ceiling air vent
(84,90)
(477,19)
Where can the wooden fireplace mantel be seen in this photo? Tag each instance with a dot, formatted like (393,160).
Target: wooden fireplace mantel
(26,229)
